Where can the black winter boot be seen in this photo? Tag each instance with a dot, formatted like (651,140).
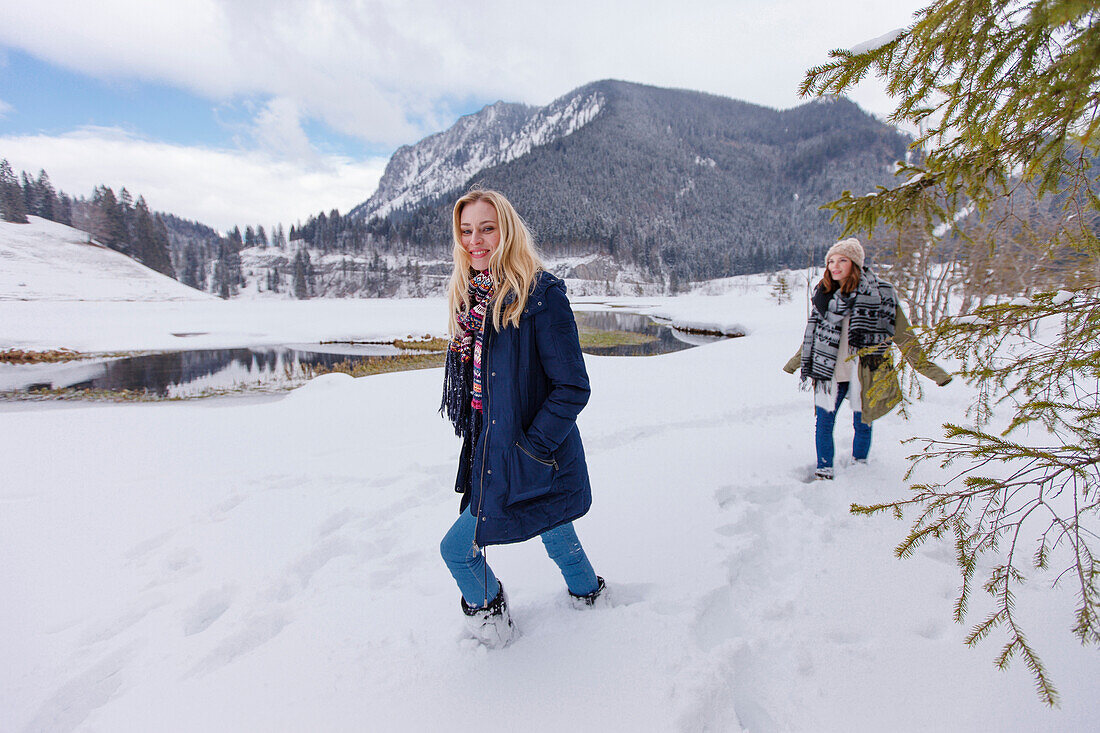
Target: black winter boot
(491,625)
(597,597)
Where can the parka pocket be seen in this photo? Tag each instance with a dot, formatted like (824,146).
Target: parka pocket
(880,389)
(529,474)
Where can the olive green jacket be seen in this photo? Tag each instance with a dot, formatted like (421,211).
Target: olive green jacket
(880,391)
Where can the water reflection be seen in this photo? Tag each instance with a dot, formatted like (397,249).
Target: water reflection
(190,373)
(656,338)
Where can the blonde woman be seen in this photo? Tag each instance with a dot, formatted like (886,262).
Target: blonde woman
(514,384)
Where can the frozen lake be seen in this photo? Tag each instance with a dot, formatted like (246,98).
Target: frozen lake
(205,372)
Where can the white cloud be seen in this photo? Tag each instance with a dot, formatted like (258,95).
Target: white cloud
(5,108)
(278,131)
(391,70)
(220,188)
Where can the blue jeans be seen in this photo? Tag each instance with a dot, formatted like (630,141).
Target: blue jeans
(475,578)
(861,443)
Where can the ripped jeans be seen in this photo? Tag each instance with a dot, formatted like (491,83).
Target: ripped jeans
(475,578)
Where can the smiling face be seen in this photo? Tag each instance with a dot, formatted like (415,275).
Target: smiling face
(479,231)
(840,267)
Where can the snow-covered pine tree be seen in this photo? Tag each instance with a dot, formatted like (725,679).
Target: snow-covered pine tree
(1007,93)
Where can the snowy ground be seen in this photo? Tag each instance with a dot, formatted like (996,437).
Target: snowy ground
(248,564)
(106,326)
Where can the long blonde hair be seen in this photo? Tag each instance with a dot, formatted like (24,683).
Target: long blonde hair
(513,265)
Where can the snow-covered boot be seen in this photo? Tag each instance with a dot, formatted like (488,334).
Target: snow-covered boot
(597,598)
(823,474)
(491,625)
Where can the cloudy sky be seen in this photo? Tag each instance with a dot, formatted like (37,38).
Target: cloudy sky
(261,111)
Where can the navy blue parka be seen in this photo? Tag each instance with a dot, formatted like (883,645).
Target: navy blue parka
(527,473)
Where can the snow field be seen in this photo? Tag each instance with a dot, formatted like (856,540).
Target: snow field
(46,260)
(272,564)
(103,326)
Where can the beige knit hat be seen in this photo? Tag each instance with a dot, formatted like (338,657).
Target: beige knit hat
(850,248)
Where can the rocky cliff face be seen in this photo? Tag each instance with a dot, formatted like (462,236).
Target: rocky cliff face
(498,134)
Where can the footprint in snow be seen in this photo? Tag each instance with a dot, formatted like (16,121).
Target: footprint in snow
(337,521)
(251,633)
(208,609)
(142,549)
(82,694)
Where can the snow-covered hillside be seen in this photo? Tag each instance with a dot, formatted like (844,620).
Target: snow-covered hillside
(44,260)
(272,565)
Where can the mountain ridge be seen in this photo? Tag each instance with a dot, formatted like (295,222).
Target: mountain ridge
(686,184)
(629,187)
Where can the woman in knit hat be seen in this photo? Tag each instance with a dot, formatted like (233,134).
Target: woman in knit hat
(845,352)
(513,386)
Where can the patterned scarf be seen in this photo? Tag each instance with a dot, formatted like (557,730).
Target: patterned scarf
(872,309)
(462,376)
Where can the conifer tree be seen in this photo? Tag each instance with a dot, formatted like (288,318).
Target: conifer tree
(228,276)
(63,210)
(141,232)
(12,208)
(126,211)
(149,241)
(1007,94)
(220,282)
(781,288)
(301,283)
(109,221)
(30,194)
(47,200)
(191,268)
(162,248)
